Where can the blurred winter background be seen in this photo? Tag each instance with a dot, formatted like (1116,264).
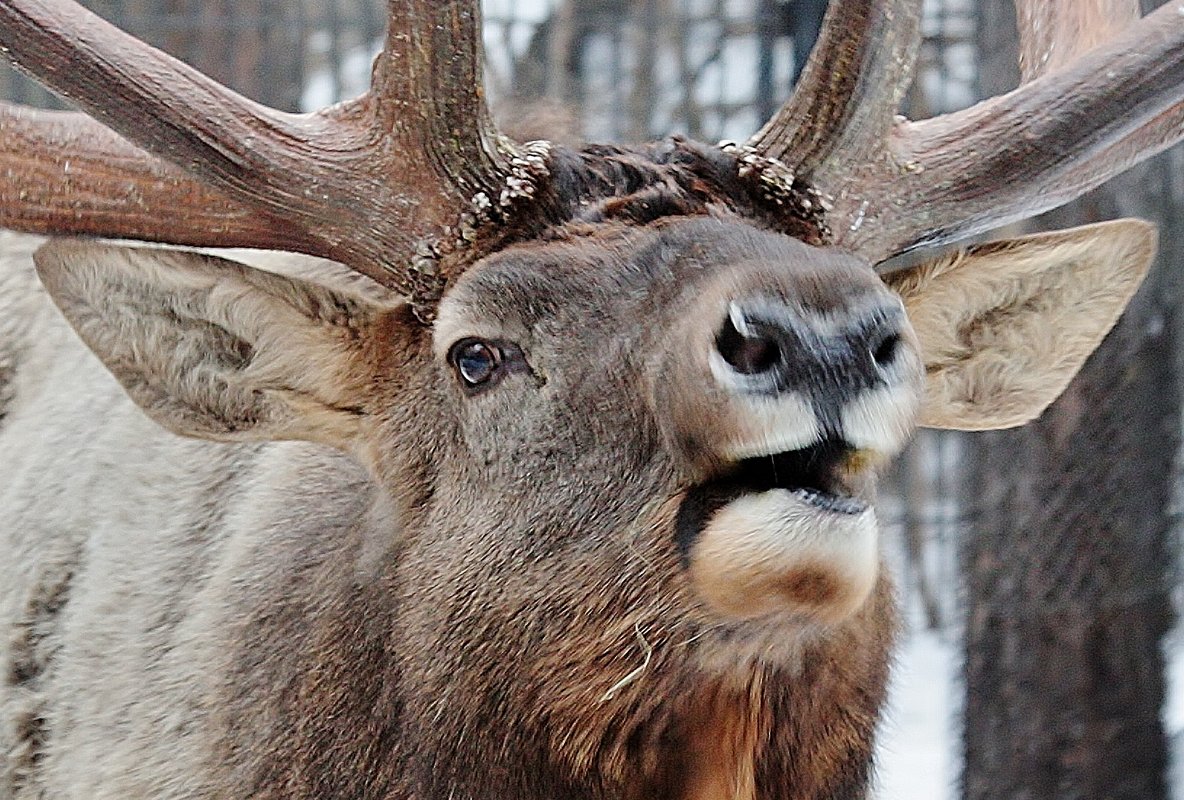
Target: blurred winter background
(1038,568)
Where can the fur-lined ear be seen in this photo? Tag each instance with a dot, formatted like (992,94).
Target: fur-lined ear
(1003,327)
(214,349)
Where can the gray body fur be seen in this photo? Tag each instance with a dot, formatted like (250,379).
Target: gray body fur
(107,697)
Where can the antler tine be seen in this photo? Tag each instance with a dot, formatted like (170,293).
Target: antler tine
(842,111)
(1088,112)
(433,60)
(369,183)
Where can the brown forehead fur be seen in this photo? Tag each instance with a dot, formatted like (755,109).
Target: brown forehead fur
(611,269)
(637,184)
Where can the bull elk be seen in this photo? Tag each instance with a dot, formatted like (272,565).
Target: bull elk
(549,477)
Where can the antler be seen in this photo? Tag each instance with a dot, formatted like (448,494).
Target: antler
(392,183)
(66,173)
(381,183)
(1084,114)
(843,109)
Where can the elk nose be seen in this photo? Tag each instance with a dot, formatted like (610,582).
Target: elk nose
(770,348)
(745,348)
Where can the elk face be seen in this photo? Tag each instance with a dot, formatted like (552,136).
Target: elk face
(743,378)
(620,490)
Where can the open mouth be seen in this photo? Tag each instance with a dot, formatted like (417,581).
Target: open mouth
(815,476)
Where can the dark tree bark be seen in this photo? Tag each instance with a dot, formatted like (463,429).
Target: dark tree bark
(1067,567)
(802,19)
(643,95)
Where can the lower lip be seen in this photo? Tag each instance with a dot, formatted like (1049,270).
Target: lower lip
(749,553)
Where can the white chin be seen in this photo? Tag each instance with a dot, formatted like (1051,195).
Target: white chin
(787,551)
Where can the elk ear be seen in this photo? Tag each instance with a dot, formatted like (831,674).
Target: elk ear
(214,349)
(1003,327)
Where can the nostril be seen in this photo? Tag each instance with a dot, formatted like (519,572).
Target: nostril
(748,353)
(885,352)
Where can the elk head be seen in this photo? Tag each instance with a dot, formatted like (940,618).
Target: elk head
(626,422)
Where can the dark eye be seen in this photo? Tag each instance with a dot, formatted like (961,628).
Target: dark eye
(475,361)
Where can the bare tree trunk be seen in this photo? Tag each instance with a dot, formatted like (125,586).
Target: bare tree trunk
(560,49)
(805,20)
(643,95)
(1067,567)
(252,46)
(918,523)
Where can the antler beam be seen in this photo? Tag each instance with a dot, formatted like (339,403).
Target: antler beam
(1104,90)
(64,173)
(367,183)
(1031,150)
(384,183)
(1054,32)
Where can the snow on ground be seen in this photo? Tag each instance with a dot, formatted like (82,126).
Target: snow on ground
(1173,707)
(919,738)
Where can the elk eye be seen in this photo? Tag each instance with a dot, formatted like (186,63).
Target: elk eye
(475,361)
